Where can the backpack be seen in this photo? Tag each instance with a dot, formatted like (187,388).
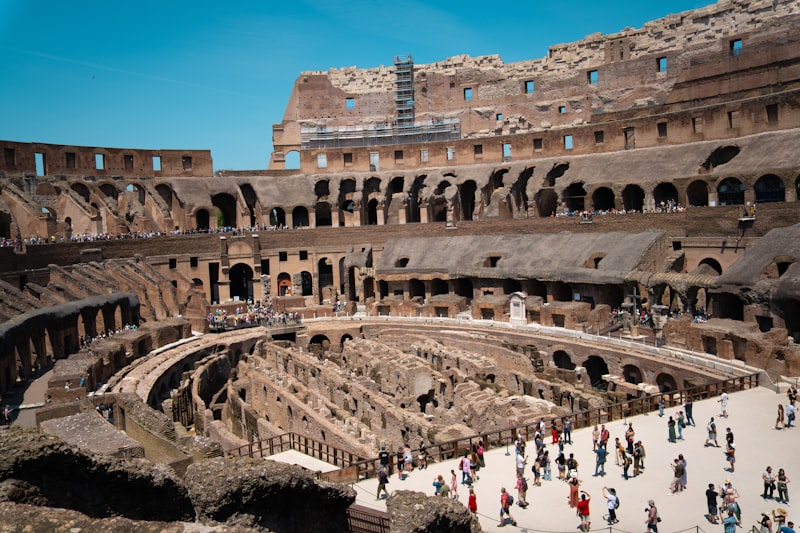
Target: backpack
(616,502)
(524,484)
(510,500)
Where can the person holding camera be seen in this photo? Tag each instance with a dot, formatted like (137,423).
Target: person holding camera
(583,511)
(652,516)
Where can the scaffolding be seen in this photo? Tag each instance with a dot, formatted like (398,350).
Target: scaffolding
(404,90)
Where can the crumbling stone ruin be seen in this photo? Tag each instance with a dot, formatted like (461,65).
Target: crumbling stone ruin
(534,239)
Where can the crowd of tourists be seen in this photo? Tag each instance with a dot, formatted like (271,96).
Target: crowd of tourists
(251,315)
(93,237)
(724,504)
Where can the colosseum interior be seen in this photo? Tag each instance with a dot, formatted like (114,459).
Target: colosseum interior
(467,246)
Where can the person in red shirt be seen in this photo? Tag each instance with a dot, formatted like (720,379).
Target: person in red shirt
(504,509)
(473,501)
(583,511)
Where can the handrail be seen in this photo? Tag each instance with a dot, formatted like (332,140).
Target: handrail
(354,468)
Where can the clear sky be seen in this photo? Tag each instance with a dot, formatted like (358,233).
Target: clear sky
(217,74)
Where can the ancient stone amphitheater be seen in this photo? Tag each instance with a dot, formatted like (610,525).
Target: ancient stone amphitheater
(466,248)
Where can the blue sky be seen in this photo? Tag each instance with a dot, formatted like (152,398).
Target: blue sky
(216,75)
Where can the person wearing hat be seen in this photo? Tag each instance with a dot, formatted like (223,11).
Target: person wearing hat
(652,516)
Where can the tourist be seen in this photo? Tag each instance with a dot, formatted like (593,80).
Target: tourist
(472,504)
(769,483)
(788,528)
(619,452)
(463,465)
(643,454)
(680,423)
(383,479)
(730,500)
(574,484)
(728,436)
(779,420)
(723,401)
(520,464)
(554,433)
(730,522)
(595,437)
(408,457)
(711,501)
(422,458)
(629,435)
(473,465)
(444,491)
(779,517)
(522,491)
(480,451)
(567,436)
(545,464)
(677,473)
(561,465)
(453,485)
(537,472)
(385,460)
(730,456)
(671,430)
(765,524)
(600,461)
(688,407)
(572,466)
(438,482)
(626,464)
(401,463)
(505,510)
(791,413)
(583,511)
(660,405)
(604,436)
(684,478)
(638,452)
(612,502)
(783,489)
(712,433)
(652,516)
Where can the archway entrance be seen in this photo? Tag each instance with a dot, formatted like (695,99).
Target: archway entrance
(241,277)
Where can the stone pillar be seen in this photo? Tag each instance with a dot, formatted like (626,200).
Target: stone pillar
(224,290)
(713,198)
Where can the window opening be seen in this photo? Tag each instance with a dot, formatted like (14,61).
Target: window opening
(70,159)
(128,162)
(593,77)
(99,161)
(599,137)
(322,161)
(568,142)
(187,162)
(350,103)
(530,86)
(736,47)
(157,163)
(662,129)
(661,64)
(468,93)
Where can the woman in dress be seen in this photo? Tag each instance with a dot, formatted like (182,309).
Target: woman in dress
(453,485)
(574,484)
(595,438)
(671,426)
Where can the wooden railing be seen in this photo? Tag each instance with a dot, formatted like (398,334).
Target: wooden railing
(353,468)
(365,520)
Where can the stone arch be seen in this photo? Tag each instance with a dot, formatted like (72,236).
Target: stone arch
(109,190)
(414,199)
(201,219)
(633,198)
(711,263)
(166,194)
(50,212)
(82,190)
(439,286)
(697,193)
(321,342)
(250,200)
(416,288)
(730,192)
(322,214)
(372,212)
(575,196)
(369,287)
(596,367)
(603,199)
(326,288)
(396,185)
(372,186)
(770,188)
(241,278)
(292,160)
(300,217)
(346,337)
(495,182)
(226,204)
(46,189)
(563,360)
(632,374)
(197,283)
(306,283)
(466,194)
(665,194)
(137,191)
(277,217)
(322,189)
(284,284)
(666,382)
(546,201)
(519,192)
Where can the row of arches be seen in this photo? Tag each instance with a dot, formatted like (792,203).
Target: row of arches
(596,367)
